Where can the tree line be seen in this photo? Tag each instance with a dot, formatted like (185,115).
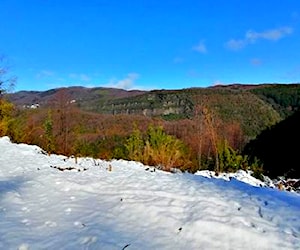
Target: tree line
(203,142)
(208,139)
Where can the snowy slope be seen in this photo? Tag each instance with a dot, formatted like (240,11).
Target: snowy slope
(134,207)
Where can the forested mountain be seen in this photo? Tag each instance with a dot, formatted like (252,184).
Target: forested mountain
(85,97)
(285,99)
(255,107)
(213,124)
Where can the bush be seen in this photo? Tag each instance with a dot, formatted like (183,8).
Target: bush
(6,110)
(135,145)
(231,161)
(157,148)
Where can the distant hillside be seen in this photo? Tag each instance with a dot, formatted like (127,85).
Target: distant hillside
(285,99)
(88,98)
(230,105)
(254,107)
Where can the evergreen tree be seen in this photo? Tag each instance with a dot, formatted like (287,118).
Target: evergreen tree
(135,145)
(48,128)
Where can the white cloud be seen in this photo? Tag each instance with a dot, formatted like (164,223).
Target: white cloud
(201,47)
(273,35)
(127,83)
(253,36)
(234,44)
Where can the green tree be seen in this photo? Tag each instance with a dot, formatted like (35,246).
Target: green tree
(229,159)
(48,128)
(164,150)
(135,145)
(158,149)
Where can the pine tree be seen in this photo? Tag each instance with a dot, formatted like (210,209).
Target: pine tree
(135,145)
(48,128)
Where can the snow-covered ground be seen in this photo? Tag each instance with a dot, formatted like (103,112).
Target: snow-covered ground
(124,205)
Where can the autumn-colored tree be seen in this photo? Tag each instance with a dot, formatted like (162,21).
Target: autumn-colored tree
(232,132)
(62,121)
(199,135)
(6,83)
(33,131)
(6,109)
(207,124)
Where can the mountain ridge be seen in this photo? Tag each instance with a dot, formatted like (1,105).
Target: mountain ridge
(254,106)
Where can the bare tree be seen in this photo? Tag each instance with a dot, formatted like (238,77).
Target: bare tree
(63,115)
(6,108)
(211,126)
(206,127)
(7,81)
(199,133)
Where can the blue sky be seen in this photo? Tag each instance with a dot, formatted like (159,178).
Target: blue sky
(153,44)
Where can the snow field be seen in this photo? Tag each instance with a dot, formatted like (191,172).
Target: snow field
(134,207)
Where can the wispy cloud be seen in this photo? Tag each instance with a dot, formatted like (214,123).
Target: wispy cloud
(127,83)
(45,73)
(234,44)
(80,77)
(256,61)
(252,37)
(200,47)
(273,35)
(178,59)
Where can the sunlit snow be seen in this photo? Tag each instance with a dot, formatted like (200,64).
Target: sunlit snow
(96,204)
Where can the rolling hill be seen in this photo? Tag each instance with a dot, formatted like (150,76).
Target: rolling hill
(254,107)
